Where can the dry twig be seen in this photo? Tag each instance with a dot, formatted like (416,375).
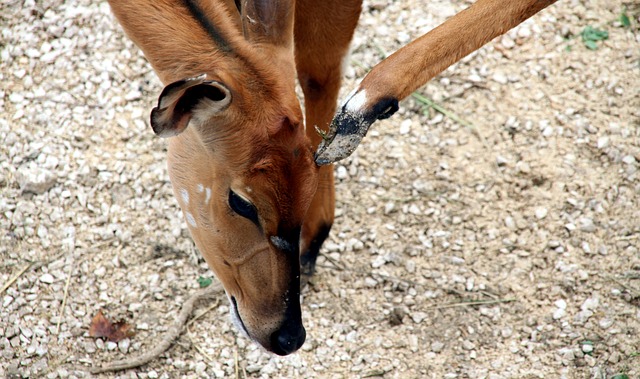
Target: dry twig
(471,303)
(168,338)
(15,277)
(64,300)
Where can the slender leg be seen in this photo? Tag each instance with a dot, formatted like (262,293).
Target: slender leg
(413,65)
(323,32)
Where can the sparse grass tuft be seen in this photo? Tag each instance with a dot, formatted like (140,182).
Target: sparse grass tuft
(591,36)
(204,282)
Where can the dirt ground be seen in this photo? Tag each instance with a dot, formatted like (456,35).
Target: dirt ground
(498,241)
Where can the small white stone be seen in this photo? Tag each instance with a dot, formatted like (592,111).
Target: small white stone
(541,213)
(587,225)
(437,347)
(468,345)
(602,142)
(152,374)
(200,367)
(524,31)
(418,317)
(559,313)
(500,77)
(509,222)
(405,126)
(46,278)
(562,304)
(341,172)
(587,348)
(100,271)
(590,304)
(123,345)
(370,282)
(605,323)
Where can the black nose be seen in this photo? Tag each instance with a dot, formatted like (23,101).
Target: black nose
(288,338)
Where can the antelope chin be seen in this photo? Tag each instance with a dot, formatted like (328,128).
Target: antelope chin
(236,319)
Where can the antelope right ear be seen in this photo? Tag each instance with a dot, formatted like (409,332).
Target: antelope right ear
(183,100)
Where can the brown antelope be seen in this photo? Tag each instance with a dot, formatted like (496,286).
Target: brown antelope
(240,158)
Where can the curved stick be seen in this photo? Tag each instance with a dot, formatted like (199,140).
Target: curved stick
(169,337)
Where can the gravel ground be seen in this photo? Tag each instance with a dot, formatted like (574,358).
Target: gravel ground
(533,211)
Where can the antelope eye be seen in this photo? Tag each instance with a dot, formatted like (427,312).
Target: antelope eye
(243,207)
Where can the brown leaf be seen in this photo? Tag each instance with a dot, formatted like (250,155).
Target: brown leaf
(114,332)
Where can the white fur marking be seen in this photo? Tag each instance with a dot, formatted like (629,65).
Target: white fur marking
(357,102)
(185,196)
(190,219)
(200,188)
(207,195)
(281,244)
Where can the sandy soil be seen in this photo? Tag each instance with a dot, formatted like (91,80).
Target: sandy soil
(506,246)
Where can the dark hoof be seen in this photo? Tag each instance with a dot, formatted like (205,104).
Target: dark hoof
(308,258)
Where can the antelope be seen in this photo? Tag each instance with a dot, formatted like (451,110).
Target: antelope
(257,198)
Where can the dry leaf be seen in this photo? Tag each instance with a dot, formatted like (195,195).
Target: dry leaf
(114,332)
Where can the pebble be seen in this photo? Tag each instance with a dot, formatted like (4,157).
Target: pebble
(468,345)
(500,77)
(418,317)
(89,347)
(341,173)
(602,142)
(629,159)
(405,126)
(541,213)
(586,225)
(35,180)
(605,323)
(46,278)
(123,345)
(590,304)
(201,367)
(437,346)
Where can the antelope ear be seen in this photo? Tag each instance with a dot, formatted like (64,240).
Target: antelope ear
(183,100)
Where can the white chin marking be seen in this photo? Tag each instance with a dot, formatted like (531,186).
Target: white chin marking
(235,318)
(356,102)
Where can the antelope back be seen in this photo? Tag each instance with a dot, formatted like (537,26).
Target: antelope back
(239,160)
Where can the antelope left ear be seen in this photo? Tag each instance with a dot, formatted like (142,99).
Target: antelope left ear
(183,100)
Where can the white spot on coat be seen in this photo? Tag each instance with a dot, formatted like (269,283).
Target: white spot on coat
(207,196)
(190,219)
(185,196)
(281,244)
(200,188)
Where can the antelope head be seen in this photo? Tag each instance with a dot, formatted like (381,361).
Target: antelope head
(240,163)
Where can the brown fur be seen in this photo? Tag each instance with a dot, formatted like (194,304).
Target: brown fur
(257,145)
